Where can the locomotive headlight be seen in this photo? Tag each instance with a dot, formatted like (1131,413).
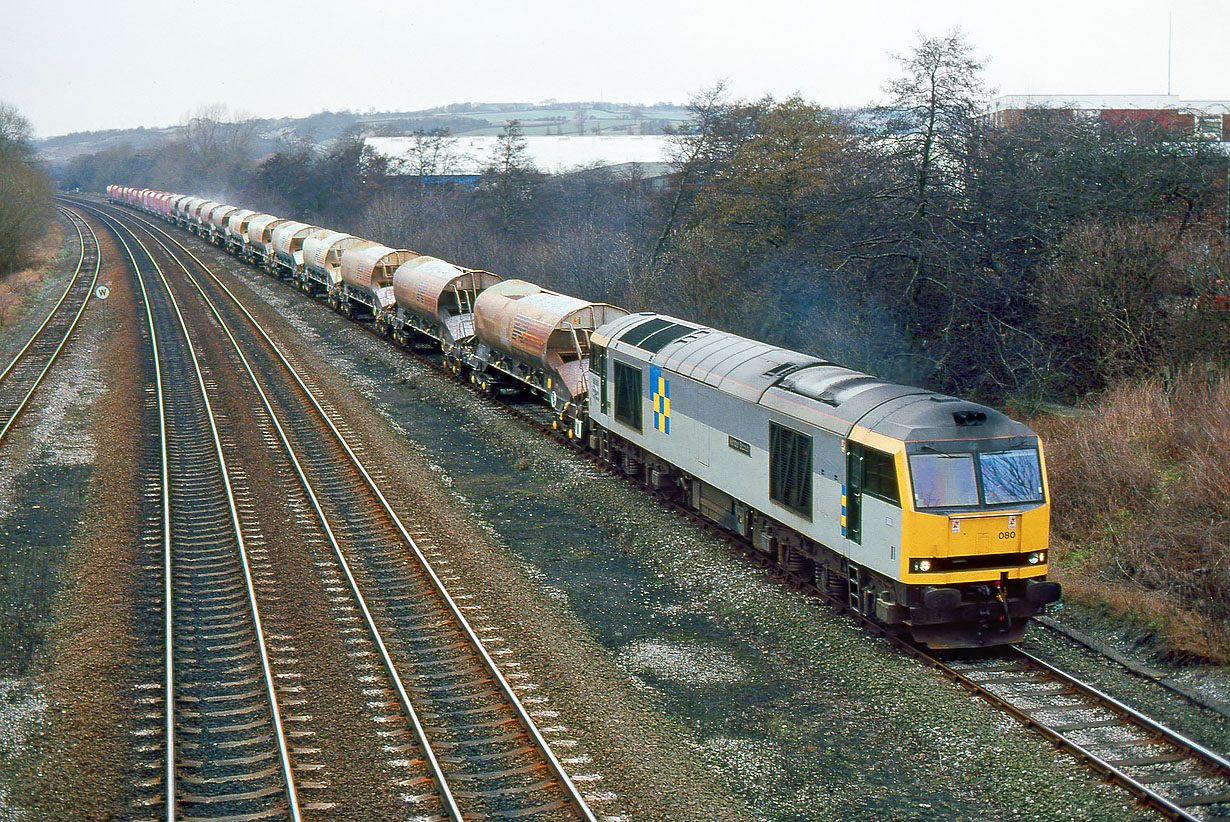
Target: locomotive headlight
(1036,557)
(920,565)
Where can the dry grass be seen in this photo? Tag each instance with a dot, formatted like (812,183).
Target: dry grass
(17,288)
(1141,513)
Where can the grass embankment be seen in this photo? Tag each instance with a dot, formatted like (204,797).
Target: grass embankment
(1141,509)
(17,288)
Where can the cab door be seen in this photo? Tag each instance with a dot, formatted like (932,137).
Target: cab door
(852,493)
(598,366)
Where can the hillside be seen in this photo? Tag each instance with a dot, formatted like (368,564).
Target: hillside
(459,119)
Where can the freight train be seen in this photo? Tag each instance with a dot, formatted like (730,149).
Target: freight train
(923,512)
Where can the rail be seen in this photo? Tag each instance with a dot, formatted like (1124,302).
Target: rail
(192,461)
(25,373)
(474,642)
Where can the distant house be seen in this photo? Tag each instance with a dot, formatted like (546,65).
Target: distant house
(1207,120)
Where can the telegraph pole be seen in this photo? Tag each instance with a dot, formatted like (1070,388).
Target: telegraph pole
(1169,47)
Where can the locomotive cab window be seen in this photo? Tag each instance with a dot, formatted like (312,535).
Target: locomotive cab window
(985,478)
(880,476)
(943,480)
(1011,476)
(628,395)
(790,468)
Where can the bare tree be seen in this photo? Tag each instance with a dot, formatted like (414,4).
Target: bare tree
(689,150)
(15,130)
(509,181)
(431,154)
(25,191)
(934,113)
(218,144)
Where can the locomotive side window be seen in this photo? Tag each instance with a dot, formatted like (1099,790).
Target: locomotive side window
(941,480)
(790,469)
(1011,476)
(880,476)
(628,395)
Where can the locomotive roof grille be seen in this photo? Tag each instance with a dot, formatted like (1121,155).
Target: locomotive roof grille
(655,334)
(636,336)
(660,339)
(782,368)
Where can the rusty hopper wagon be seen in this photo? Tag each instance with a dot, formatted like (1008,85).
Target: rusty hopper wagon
(217,223)
(435,299)
(288,240)
(198,217)
(260,240)
(367,281)
(538,340)
(184,210)
(322,260)
(237,229)
(175,205)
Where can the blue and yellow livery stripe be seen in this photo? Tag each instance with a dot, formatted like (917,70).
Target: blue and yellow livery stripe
(843,510)
(661,388)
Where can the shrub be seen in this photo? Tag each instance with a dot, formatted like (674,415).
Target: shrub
(1141,507)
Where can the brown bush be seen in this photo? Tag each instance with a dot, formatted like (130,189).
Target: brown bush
(1124,298)
(1141,507)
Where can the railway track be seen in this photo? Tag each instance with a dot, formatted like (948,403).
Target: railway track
(467,745)
(1162,768)
(224,746)
(24,374)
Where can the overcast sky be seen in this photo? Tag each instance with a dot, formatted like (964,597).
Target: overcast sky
(76,65)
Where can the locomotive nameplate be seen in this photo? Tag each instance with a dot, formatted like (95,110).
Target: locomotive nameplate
(739,445)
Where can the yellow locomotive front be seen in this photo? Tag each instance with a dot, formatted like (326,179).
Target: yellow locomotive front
(974,538)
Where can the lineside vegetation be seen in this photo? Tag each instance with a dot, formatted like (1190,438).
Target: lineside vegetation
(25,193)
(1141,508)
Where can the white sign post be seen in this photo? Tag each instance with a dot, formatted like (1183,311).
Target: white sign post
(102,293)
